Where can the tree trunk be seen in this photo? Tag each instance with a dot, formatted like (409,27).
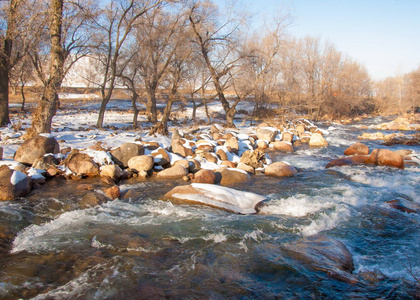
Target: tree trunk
(47,107)
(22,93)
(230,114)
(151,108)
(134,98)
(5,54)
(105,99)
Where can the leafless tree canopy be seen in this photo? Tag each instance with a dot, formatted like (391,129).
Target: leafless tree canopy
(183,50)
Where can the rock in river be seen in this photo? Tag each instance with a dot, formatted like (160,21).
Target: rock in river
(215,196)
(325,254)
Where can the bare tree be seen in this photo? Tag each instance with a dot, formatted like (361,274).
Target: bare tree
(114,25)
(217,44)
(68,42)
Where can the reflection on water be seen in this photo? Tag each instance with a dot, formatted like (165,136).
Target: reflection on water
(145,248)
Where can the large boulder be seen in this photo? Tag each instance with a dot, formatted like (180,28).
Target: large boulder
(357,149)
(36,147)
(317,140)
(266,133)
(253,158)
(123,153)
(287,137)
(45,162)
(229,176)
(326,254)
(280,169)
(13,184)
(81,164)
(215,196)
(404,205)
(141,163)
(348,161)
(385,157)
(175,172)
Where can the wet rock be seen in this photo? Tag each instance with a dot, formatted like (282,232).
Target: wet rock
(385,157)
(108,180)
(404,205)
(92,199)
(357,149)
(175,172)
(280,169)
(161,157)
(81,164)
(112,171)
(266,133)
(348,161)
(372,277)
(326,254)
(317,140)
(204,176)
(253,158)
(13,184)
(122,154)
(182,147)
(141,163)
(36,147)
(215,196)
(282,146)
(229,176)
(113,192)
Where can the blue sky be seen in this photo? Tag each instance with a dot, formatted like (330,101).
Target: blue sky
(383,35)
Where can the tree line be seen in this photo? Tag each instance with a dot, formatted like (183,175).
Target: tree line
(188,48)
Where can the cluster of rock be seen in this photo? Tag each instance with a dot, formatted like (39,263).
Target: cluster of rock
(405,123)
(358,153)
(212,157)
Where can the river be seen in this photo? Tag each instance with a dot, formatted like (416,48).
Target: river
(144,248)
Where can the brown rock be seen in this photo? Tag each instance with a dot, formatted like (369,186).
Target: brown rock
(13,183)
(181,147)
(183,162)
(211,157)
(230,176)
(280,169)
(92,199)
(221,154)
(36,147)
(246,168)
(113,192)
(194,165)
(253,158)
(228,163)
(348,161)
(175,172)
(122,154)
(287,137)
(266,133)
(262,145)
(81,164)
(305,137)
(204,176)
(141,163)
(385,157)
(112,171)
(151,145)
(161,157)
(282,146)
(204,145)
(317,140)
(233,144)
(357,148)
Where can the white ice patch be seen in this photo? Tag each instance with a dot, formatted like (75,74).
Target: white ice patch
(36,173)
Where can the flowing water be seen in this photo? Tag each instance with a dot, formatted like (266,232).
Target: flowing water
(141,247)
